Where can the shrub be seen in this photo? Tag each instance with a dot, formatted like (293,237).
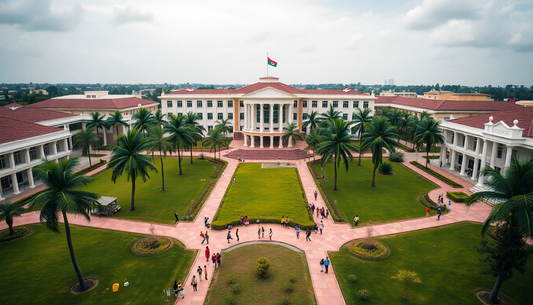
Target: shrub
(19,232)
(396,156)
(436,175)
(378,250)
(457,196)
(352,278)
(232,278)
(285,301)
(363,294)
(289,287)
(201,156)
(292,278)
(230,300)
(263,265)
(223,225)
(386,168)
(235,288)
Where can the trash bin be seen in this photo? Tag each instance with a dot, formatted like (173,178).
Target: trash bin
(115,287)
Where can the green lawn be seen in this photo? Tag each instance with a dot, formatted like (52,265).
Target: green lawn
(394,198)
(434,149)
(264,193)
(38,270)
(152,204)
(241,262)
(446,261)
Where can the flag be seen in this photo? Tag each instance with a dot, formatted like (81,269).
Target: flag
(272,63)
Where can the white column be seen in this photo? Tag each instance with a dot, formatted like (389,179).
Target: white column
(15,184)
(474,171)
(480,180)
(508,155)
(1,197)
(261,142)
(70,142)
(455,139)
(65,143)
(261,117)
(452,161)
(463,165)
(28,156)
(252,138)
(442,153)
(478,144)
(12,160)
(252,126)
(271,126)
(280,142)
(42,151)
(466,142)
(493,154)
(271,138)
(245,140)
(30,178)
(104,135)
(245,117)
(290,117)
(54,148)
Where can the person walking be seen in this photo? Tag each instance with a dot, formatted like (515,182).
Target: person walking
(199,270)
(322,265)
(316,194)
(219,259)
(263,232)
(259,233)
(287,221)
(326,263)
(297,231)
(438,214)
(207,237)
(270,234)
(327,213)
(317,212)
(283,220)
(215,260)
(316,228)
(356,220)
(321,226)
(449,205)
(234,180)
(427,211)
(308,235)
(207,254)
(194,283)
(202,235)
(313,209)
(237,234)
(177,216)
(205,272)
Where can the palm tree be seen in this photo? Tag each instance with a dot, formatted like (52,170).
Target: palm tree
(62,195)
(331,114)
(312,139)
(158,142)
(394,117)
(115,120)
(428,132)
(143,120)
(197,130)
(313,121)
(337,143)
(8,211)
(128,157)
(513,192)
(291,133)
(379,134)
(410,131)
(159,117)
(224,126)
(361,118)
(180,133)
(86,139)
(403,121)
(215,139)
(97,121)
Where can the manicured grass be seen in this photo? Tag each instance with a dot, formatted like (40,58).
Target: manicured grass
(38,270)
(152,204)
(435,149)
(446,261)
(394,197)
(264,193)
(242,261)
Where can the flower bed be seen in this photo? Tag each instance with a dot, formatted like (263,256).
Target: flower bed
(152,245)
(380,250)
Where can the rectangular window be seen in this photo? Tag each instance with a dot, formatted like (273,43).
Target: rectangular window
(169,104)
(241,116)
(353,116)
(365,104)
(209,104)
(335,104)
(210,116)
(345,116)
(324,104)
(345,104)
(220,116)
(220,104)
(58,147)
(46,149)
(230,116)
(355,104)
(200,115)
(3,162)
(209,127)
(33,153)
(241,104)
(500,151)
(314,104)
(304,104)
(189,104)
(179,113)
(305,116)
(276,114)
(180,104)
(230,104)
(199,104)
(295,116)
(295,104)
(241,128)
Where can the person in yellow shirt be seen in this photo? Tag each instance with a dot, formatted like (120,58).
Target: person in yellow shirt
(283,221)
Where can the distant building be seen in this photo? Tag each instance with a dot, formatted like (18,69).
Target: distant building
(389,82)
(452,96)
(391,92)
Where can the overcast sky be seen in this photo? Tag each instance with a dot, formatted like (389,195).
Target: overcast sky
(468,42)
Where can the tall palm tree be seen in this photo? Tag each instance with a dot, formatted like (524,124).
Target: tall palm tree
(224,126)
(312,139)
(410,131)
(62,195)
(513,190)
(180,134)
(97,121)
(116,119)
(143,120)
(158,142)
(403,121)
(313,121)
(197,130)
(331,114)
(86,139)
(128,157)
(394,117)
(379,134)
(291,133)
(214,139)
(337,143)
(428,132)
(361,118)
(159,117)
(9,210)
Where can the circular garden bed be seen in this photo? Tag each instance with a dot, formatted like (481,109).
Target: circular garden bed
(377,250)
(90,281)
(151,245)
(483,296)
(19,232)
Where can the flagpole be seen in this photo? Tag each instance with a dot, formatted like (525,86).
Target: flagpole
(267,64)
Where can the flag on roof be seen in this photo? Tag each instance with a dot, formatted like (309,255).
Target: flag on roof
(272,63)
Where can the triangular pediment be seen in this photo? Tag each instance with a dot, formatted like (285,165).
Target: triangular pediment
(269,92)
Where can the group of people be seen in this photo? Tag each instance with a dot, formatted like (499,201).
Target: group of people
(244,220)
(324,263)
(228,237)
(241,159)
(322,212)
(207,224)
(204,236)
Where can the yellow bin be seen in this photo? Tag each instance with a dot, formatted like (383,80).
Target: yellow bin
(115,287)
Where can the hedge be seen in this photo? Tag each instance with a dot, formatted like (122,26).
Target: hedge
(431,157)
(406,148)
(91,168)
(427,202)
(457,196)
(437,175)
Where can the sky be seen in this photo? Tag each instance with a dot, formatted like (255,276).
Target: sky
(467,42)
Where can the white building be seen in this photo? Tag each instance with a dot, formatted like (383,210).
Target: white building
(490,139)
(259,112)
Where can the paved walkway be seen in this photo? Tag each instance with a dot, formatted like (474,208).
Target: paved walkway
(325,286)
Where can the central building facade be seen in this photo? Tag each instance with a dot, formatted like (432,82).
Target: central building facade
(259,113)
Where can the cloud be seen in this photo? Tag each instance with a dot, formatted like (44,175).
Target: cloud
(38,15)
(131,14)
(433,13)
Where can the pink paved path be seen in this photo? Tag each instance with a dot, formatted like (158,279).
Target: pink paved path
(325,286)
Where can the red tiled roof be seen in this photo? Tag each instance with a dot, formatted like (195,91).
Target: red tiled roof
(201,91)
(261,85)
(32,115)
(523,115)
(16,105)
(116,103)
(334,92)
(13,130)
(447,105)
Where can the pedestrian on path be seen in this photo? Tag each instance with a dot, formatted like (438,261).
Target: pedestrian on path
(327,213)
(316,194)
(317,212)
(326,263)
(450,205)
(194,283)
(321,226)
(283,220)
(207,253)
(297,231)
(202,235)
(259,233)
(229,236)
(427,211)
(258,221)
(237,234)
(177,217)
(263,232)
(322,265)
(215,258)
(356,220)
(270,234)
(308,235)
(219,259)
(316,228)
(438,214)
(205,272)
(207,237)
(199,270)
(313,209)
(287,222)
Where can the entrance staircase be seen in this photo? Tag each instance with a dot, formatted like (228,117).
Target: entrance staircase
(477,189)
(266,154)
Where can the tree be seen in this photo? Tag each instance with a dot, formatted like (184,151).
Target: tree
(312,139)
(143,120)
(379,134)
(62,195)
(180,134)
(158,142)
(128,157)
(214,139)
(361,118)
(410,131)
(429,132)
(403,121)
(262,266)
(291,133)
(197,130)
(331,114)
(337,143)
(407,277)
(224,126)
(116,119)
(313,121)
(159,117)
(86,139)
(9,210)
(97,121)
